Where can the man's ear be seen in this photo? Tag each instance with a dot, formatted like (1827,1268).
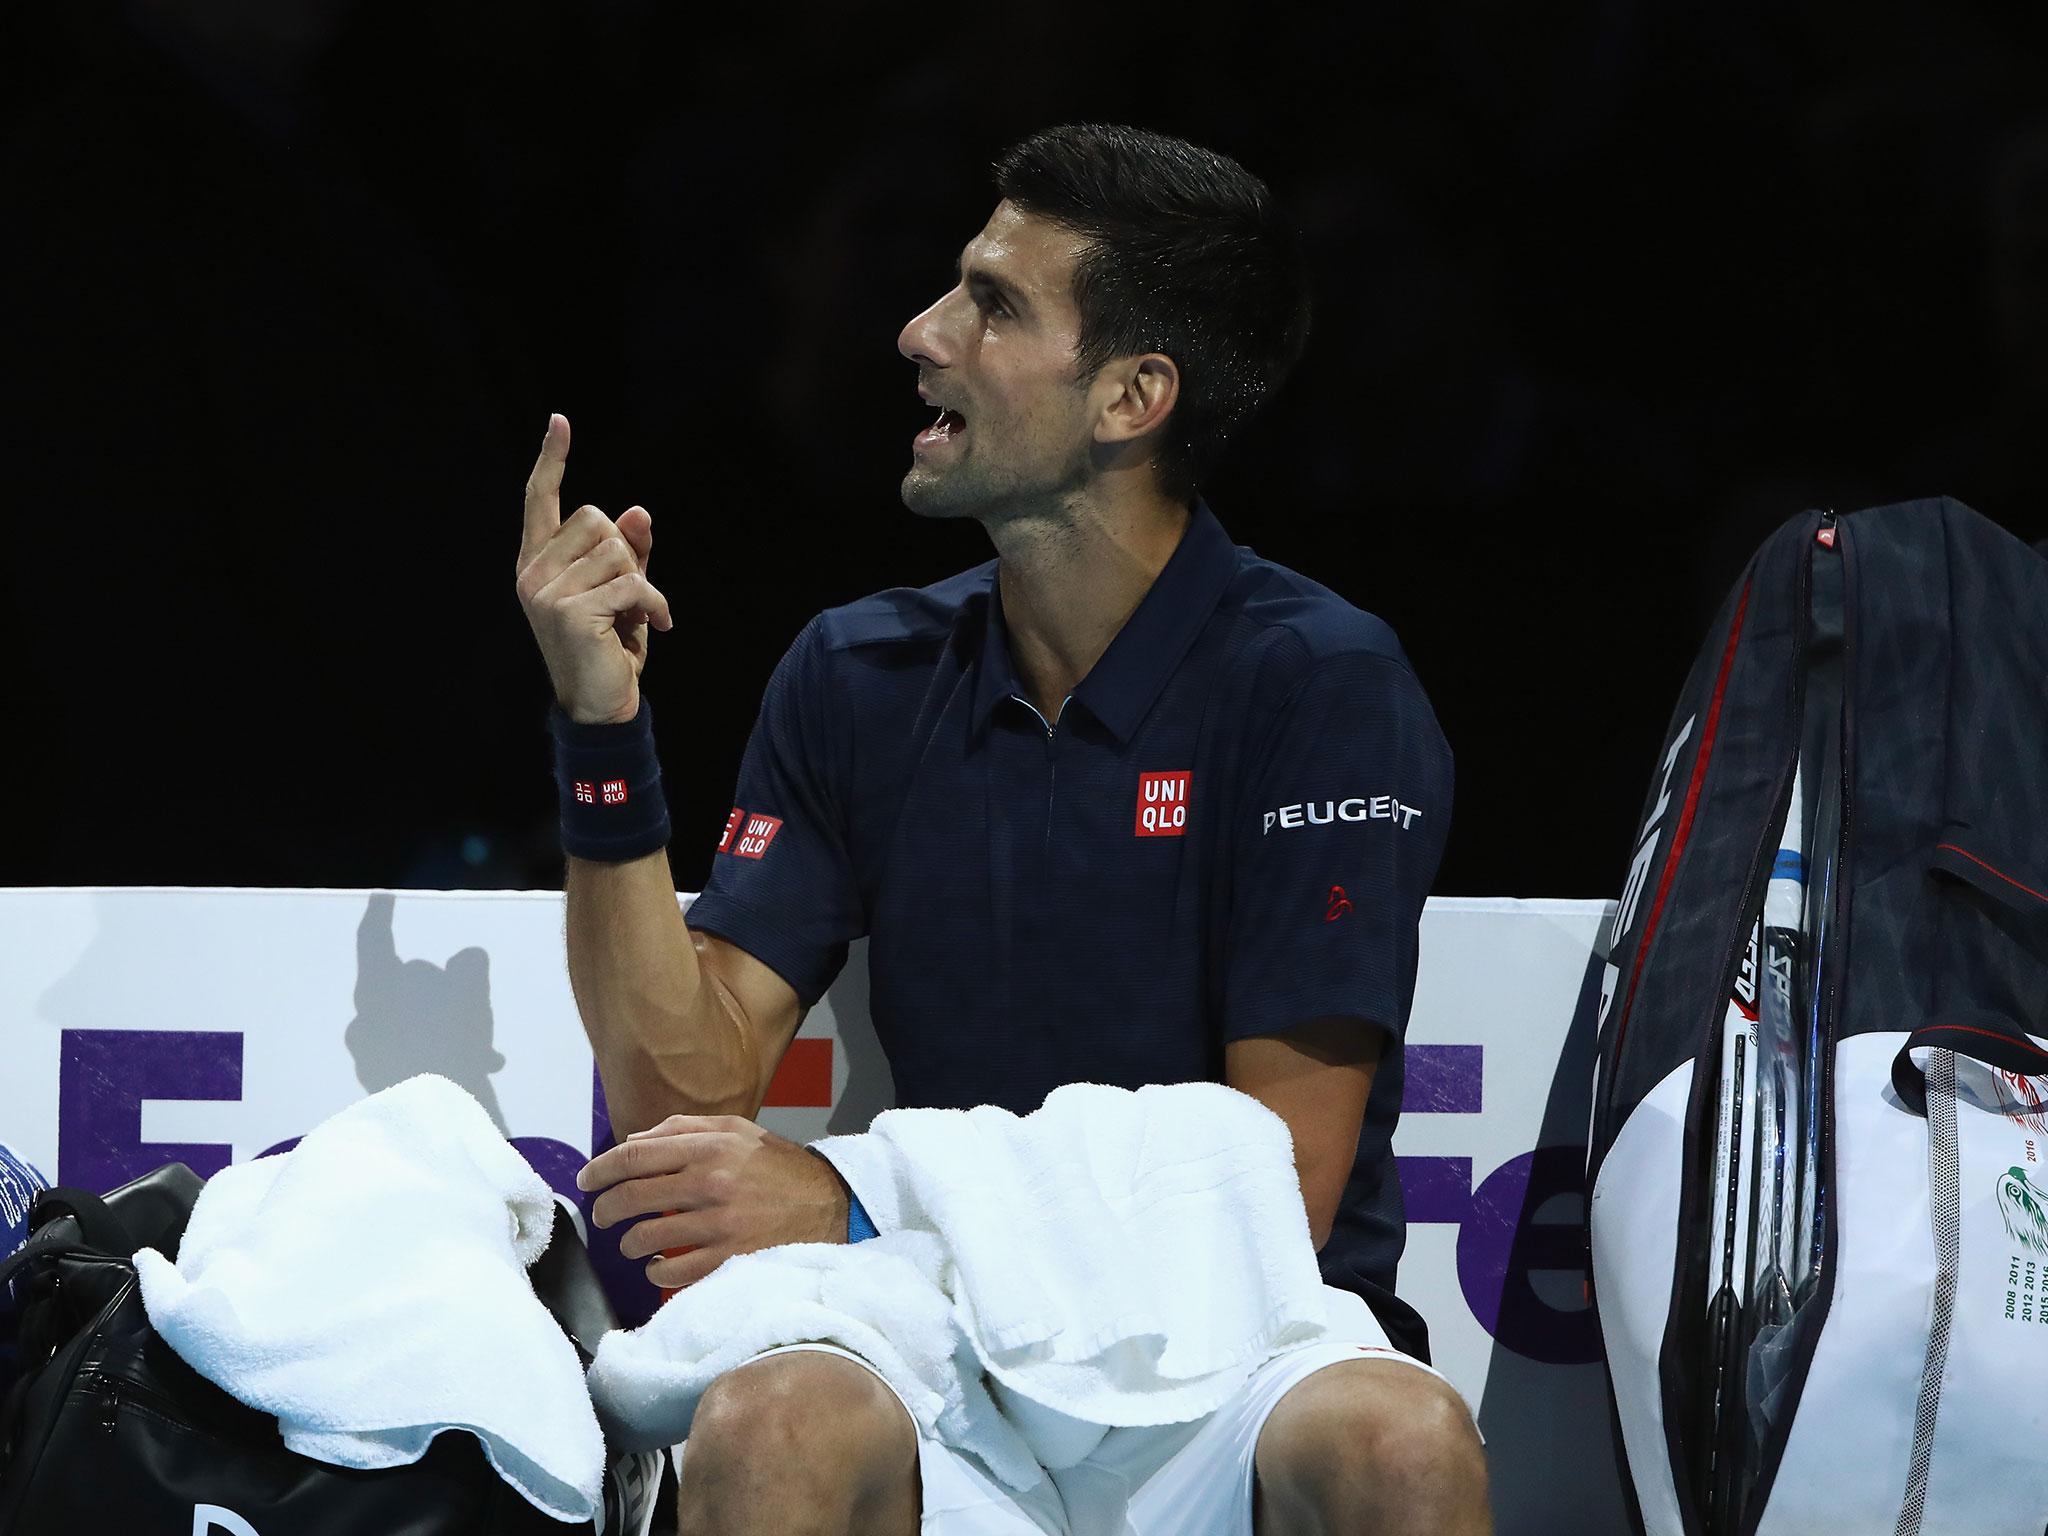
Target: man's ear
(1147,389)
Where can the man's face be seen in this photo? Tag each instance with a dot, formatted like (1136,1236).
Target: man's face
(997,353)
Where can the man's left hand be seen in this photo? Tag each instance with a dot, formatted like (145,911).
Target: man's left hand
(715,1185)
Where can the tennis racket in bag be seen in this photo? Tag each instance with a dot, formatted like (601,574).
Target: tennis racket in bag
(1819,1152)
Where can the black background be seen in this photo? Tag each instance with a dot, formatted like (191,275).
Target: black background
(288,289)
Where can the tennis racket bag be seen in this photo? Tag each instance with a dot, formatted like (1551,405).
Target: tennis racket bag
(1819,1152)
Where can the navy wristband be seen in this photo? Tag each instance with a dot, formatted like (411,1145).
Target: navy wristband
(608,780)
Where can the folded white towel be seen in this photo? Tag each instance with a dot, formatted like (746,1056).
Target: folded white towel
(1124,1257)
(369,1289)
(1114,1257)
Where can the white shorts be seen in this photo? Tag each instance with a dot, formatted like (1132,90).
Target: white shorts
(1192,1479)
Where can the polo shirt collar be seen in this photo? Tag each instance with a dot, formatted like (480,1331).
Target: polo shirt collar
(1127,680)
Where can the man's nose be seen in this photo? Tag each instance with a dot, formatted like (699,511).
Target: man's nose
(923,339)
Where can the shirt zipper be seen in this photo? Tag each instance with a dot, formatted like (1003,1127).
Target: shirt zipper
(1040,718)
(1052,777)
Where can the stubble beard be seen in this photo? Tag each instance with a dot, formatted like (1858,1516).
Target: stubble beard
(930,494)
(988,495)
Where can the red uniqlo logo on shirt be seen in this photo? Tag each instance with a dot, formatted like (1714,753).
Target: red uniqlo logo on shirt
(732,825)
(613,791)
(758,834)
(586,792)
(1163,804)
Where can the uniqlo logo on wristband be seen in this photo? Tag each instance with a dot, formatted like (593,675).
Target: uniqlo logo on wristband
(732,825)
(613,792)
(756,836)
(586,792)
(1163,804)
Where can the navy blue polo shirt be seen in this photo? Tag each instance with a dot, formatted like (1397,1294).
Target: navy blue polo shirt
(1228,830)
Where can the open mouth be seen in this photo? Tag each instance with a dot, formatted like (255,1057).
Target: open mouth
(949,426)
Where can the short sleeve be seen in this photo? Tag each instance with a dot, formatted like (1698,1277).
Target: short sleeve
(1339,834)
(782,885)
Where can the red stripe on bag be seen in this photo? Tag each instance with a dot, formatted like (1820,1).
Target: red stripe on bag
(1972,1029)
(2008,879)
(1692,801)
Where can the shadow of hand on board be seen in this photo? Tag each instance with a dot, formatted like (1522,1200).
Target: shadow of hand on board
(413,1016)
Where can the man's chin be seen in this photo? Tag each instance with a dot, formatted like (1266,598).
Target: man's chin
(924,495)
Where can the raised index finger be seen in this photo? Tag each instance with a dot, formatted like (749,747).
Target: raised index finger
(544,489)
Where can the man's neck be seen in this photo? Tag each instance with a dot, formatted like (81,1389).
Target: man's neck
(1069,578)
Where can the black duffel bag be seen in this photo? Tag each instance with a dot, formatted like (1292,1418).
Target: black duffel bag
(108,1429)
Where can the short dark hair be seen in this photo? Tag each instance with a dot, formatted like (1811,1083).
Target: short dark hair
(1187,256)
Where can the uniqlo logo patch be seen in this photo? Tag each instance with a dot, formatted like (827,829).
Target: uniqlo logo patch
(586,792)
(1163,804)
(613,792)
(732,825)
(755,837)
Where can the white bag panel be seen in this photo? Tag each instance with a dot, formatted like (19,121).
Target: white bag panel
(1635,1254)
(1844,1467)
(1989,1472)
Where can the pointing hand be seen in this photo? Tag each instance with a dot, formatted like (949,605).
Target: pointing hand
(583,583)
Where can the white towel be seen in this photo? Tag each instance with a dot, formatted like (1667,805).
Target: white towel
(886,1300)
(369,1289)
(1115,1257)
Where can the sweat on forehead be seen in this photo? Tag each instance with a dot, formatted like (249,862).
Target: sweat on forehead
(1023,252)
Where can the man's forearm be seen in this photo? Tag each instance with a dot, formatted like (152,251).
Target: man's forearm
(665,1041)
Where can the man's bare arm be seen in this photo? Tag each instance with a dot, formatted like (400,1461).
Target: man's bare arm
(1317,1078)
(680,1023)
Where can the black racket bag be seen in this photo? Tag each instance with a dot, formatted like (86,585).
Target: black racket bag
(109,1430)
(1818,1165)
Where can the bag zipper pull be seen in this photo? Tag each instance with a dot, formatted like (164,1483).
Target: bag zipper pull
(1825,536)
(110,1409)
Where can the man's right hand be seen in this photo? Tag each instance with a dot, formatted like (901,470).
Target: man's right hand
(584,586)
